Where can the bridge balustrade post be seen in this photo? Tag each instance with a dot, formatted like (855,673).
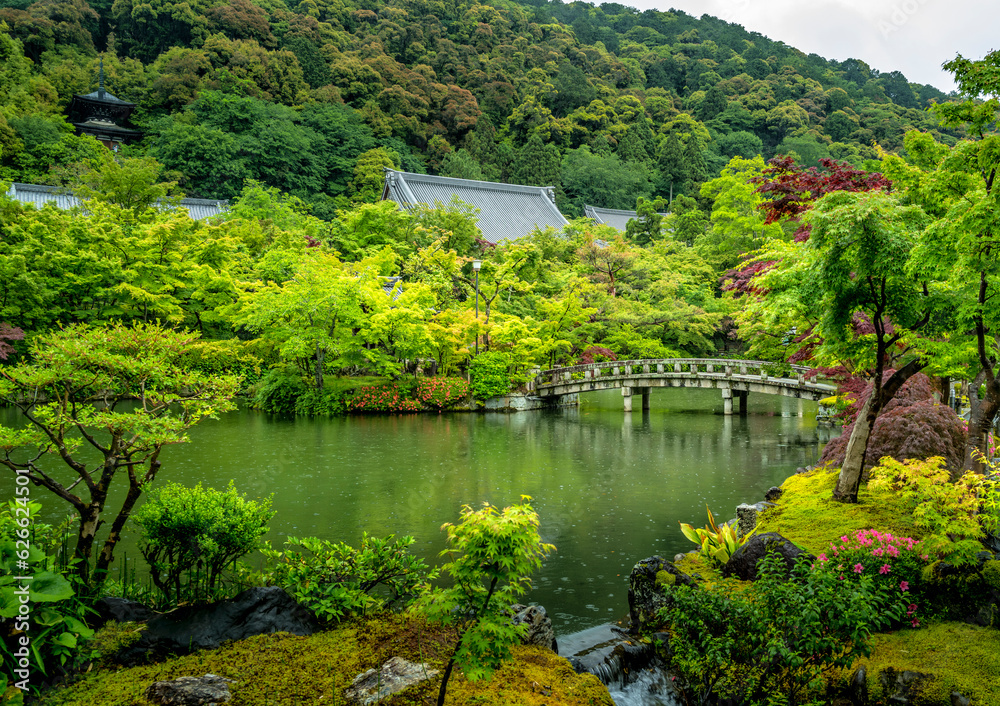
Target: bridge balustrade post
(710,367)
(659,368)
(616,371)
(743,369)
(694,369)
(627,398)
(645,368)
(729,371)
(677,367)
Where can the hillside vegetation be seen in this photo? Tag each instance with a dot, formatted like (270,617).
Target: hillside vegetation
(314,98)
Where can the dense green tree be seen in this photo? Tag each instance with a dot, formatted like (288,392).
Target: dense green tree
(589,179)
(79,397)
(536,163)
(955,185)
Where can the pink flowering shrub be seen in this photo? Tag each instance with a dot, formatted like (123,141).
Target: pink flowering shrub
(389,397)
(441,393)
(894,564)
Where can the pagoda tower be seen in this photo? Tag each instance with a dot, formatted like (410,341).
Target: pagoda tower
(103,116)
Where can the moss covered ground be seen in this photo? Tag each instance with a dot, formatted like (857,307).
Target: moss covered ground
(286,670)
(807,514)
(957,656)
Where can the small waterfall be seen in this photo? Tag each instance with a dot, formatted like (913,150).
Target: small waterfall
(630,669)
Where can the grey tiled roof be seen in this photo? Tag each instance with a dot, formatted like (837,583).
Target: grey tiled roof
(506,211)
(102,95)
(610,216)
(38,196)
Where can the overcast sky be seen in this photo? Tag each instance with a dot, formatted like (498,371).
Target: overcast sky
(912,36)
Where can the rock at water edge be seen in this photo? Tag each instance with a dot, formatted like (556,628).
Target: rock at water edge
(540,630)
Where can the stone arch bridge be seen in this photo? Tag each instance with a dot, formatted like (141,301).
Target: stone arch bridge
(734,378)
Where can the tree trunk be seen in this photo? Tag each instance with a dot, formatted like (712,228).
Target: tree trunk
(90,520)
(854,458)
(857,448)
(982,414)
(318,369)
(106,556)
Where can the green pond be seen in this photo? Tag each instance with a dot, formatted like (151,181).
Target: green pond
(610,488)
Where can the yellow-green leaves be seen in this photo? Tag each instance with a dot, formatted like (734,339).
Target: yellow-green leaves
(718,543)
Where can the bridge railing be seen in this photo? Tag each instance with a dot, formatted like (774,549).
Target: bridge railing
(716,367)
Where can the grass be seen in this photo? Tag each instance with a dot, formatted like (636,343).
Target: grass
(286,670)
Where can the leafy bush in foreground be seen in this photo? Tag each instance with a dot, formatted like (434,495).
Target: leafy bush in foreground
(493,554)
(780,636)
(56,622)
(189,536)
(335,580)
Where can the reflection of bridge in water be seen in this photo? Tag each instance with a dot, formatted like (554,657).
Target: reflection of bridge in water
(735,378)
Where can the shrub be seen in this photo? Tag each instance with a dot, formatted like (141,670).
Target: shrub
(57,619)
(388,397)
(490,375)
(278,391)
(895,564)
(493,554)
(441,393)
(912,425)
(328,403)
(226,357)
(189,536)
(335,580)
(947,512)
(715,542)
(778,636)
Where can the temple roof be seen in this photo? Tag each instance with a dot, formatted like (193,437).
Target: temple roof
(38,196)
(611,216)
(506,211)
(104,96)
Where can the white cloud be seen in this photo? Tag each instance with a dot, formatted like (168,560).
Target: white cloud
(912,36)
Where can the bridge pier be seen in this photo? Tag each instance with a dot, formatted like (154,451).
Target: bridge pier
(727,401)
(628,392)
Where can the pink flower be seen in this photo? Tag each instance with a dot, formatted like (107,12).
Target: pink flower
(858,568)
(915,623)
(885,569)
(904,586)
(822,557)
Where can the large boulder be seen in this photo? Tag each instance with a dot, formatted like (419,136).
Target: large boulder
(209,690)
(255,611)
(395,675)
(646,589)
(540,630)
(120,610)
(743,563)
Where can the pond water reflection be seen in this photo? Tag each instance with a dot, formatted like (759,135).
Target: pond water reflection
(610,488)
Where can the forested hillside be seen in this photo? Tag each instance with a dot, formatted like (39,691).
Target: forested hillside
(314,97)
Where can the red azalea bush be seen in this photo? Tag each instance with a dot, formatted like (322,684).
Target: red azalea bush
(912,425)
(441,393)
(388,397)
